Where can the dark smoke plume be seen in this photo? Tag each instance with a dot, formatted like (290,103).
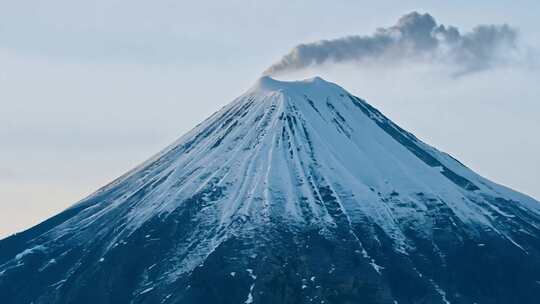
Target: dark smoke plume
(415,37)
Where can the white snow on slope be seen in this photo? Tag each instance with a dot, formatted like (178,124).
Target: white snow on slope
(275,153)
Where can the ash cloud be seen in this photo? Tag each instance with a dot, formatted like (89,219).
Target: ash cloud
(415,37)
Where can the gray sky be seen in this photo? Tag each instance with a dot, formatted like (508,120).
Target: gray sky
(89,89)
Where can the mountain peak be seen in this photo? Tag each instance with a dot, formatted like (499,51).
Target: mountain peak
(268,83)
(296,192)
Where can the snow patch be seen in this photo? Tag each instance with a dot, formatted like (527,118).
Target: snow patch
(249,299)
(250,272)
(29,251)
(49,263)
(147,290)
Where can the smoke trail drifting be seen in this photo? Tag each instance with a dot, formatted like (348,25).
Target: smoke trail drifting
(415,36)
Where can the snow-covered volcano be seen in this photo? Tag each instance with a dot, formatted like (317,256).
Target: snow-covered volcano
(296,192)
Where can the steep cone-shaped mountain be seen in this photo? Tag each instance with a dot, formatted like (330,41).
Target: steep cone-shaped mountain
(296,192)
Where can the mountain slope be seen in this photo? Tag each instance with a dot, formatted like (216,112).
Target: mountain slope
(296,192)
